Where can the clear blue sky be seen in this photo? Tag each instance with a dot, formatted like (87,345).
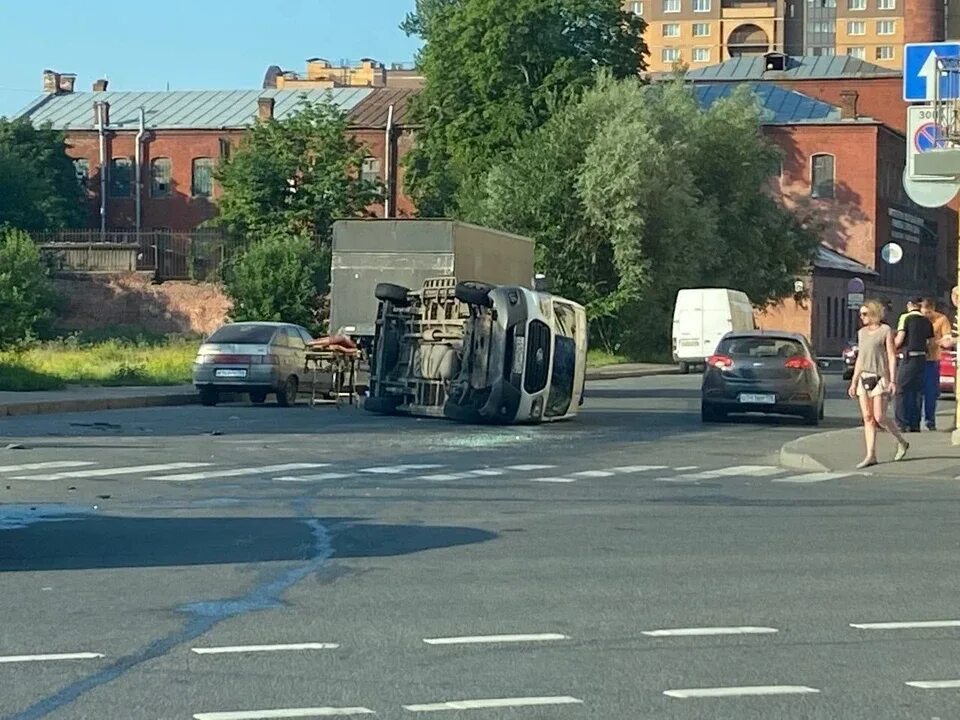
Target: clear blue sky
(190,44)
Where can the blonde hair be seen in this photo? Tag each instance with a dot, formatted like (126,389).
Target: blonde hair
(875,309)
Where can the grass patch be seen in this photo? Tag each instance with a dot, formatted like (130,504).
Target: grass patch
(603,358)
(115,362)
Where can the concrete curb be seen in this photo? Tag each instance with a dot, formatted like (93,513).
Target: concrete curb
(624,374)
(47,407)
(793,457)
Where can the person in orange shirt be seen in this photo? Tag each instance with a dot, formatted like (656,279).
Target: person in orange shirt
(931,377)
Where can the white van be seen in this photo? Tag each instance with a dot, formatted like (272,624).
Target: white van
(704,315)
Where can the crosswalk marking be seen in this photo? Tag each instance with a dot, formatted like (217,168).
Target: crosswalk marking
(487,472)
(627,469)
(552,480)
(319,477)
(442,478)
(111,472)
(594,473)
(239,472)
(812,477)
(397,469)
(54,465)
(529,468)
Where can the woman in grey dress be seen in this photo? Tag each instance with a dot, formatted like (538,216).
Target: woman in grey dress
(873,380)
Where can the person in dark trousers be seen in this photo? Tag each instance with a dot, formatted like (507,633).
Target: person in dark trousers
(914,332)
(931,376)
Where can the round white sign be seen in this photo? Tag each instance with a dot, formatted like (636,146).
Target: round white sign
(929,193)
(891,253)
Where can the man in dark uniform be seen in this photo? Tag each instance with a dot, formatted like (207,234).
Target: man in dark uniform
(913,333)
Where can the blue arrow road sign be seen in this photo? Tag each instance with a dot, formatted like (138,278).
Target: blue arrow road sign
(929,136)
(920,72)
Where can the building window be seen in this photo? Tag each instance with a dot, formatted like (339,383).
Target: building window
(81,168)
(856,5)
(701,29)
(885,27)
(701,55)
(671,6)
(161,172)
(856,27)
(637,8)
(824,27)
(202,185)
(121,178)
(822,176)
(885,52)
(701,6)
(671,30)
(670,55)
(886,4)
(370,170)
(857,52)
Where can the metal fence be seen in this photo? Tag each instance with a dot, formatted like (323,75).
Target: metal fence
(170,255)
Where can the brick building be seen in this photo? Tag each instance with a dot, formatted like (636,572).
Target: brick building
(701,32)
(321,73)
(147,158)
(846,169)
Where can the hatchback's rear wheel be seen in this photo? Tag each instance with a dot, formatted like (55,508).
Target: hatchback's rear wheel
(287,395)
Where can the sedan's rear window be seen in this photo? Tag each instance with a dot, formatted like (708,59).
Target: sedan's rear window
(243,334)
(760,347)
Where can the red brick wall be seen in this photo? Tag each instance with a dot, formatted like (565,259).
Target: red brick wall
(181,211)
(924,21)
(849,218)
(879,98)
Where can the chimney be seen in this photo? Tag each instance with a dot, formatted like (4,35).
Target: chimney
(51,82)
(848,104)
(100,85)
(265,108)
(105,113)
(67,82)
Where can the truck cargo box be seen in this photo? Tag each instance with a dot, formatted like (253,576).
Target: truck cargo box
(407,252)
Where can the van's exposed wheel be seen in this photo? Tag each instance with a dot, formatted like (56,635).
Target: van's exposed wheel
(287,395)
(394,294)
(209,396)
(474,293)
(684,367)
(382,405)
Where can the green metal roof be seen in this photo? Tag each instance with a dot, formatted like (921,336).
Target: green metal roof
(192,109)
(811,67)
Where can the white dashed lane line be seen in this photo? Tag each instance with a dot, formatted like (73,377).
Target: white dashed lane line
(480,639)
(111,472)
(50,657)
(725,692)
(319,477)
(707,631)
(314,712)
(494,703)
(907,625)
(239,472)
(935,684)
(54,465)
(240,649)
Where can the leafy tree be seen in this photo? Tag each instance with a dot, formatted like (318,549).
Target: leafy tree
(635,192)
(26,293)
(498,69)
(295,175)
(38,182)
(280,278)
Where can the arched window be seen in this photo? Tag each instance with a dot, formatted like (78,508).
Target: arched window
(161,182)
(822,176)
(202,185)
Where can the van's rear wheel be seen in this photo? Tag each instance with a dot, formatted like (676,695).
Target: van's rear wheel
(474,293)
(684,367)
(394,294)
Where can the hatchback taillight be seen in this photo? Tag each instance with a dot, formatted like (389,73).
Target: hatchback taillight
(799,363)
(720,361)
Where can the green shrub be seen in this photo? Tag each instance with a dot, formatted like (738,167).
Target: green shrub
(280,279)
(27,297)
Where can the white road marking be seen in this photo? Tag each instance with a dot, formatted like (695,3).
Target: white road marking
(906,625)
(935,684)
(686,468)
(494,703)
(397,469)
(594,473)
(811,477)
(442,478)
(110,472)
(239,472)
(638,468)
(528,468)
(50,657)
(741,691)
(313,478)
(487,472)
(695,632)
(263,648)
(54,465)
(552,480)
(478,639)
(284,713)
(735,471)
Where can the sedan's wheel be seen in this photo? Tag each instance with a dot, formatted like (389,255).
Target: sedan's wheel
(258,397)
(209,396)
(287,395)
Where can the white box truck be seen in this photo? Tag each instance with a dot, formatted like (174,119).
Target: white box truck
(704,315)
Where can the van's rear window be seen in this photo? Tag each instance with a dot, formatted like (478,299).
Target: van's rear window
(243,334)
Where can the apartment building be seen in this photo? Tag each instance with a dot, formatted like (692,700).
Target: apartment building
(697,33)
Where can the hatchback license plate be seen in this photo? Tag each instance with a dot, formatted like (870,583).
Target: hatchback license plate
(227,373)
(754,399)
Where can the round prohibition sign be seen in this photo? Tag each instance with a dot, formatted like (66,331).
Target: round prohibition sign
(929,136)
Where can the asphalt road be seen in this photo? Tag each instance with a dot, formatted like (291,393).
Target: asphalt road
(220,563)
